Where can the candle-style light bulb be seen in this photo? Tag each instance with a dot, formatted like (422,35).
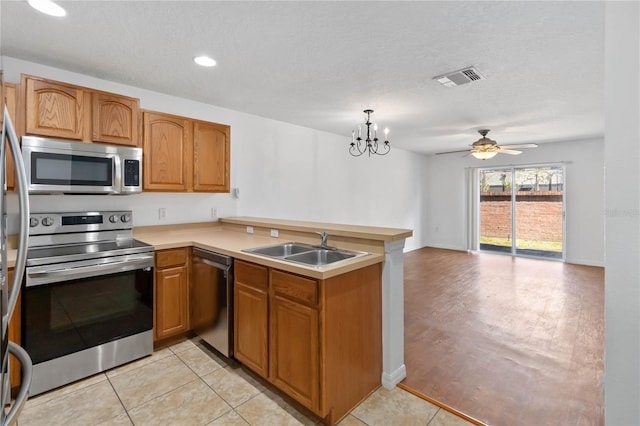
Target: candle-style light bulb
(353,136)
(359,130)
(386,133)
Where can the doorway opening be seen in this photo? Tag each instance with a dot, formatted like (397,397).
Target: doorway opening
(521,211)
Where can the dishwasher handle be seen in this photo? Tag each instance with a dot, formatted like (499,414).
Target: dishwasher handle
(214,264)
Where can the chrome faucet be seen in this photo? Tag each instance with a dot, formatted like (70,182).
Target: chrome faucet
(323,239)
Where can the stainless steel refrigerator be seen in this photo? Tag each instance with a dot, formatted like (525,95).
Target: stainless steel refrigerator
(10,291)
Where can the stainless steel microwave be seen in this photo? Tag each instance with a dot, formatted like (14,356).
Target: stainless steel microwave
(64,167)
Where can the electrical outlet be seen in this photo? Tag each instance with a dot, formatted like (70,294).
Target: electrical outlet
(214,213)
(162,213)
(274,233)
(249,229)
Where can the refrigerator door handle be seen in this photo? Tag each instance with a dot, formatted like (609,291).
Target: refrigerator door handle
(27,371)
(23,198)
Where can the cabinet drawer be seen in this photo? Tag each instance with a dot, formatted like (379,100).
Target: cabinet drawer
(294,287)
(252,274)
(171,257)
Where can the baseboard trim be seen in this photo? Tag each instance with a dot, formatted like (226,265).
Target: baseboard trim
(445,247)
(584,262)
(389,381)
(441,405)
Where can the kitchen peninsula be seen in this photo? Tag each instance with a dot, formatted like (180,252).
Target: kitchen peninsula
(351,311)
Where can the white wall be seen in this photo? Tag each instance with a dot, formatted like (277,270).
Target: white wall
(445,197)
(622,165)
(282,171)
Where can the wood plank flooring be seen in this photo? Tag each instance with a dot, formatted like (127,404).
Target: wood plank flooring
(507,341)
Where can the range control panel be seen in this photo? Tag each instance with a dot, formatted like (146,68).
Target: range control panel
(58,223)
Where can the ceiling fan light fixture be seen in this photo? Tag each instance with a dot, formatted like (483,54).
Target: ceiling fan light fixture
(484,155)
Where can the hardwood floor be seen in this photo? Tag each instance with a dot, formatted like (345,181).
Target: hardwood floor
(507,341)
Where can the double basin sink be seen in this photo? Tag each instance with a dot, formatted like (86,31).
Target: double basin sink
(306,254)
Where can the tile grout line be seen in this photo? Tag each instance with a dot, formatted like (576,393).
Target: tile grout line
(121,402)
(434,415)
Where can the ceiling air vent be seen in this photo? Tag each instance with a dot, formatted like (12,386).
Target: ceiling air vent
(457,78)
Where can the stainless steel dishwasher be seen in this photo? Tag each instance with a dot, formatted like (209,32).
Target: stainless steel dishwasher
(211,301)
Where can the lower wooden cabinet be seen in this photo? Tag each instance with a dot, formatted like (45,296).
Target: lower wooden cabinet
(171,293)
(251,316)
(294,351)
(318,341)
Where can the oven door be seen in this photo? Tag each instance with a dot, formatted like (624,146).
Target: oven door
(70,307)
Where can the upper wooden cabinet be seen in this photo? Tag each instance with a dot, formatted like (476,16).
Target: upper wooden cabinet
(54,109)
(10,101)
(167,148)
(181,154)
(115,119)
(211,143)
(67,111)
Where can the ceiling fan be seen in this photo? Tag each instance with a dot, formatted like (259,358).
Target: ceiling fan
(485,148)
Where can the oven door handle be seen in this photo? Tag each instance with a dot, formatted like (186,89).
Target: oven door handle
(48,276)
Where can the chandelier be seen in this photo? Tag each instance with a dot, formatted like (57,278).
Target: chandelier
(369,144)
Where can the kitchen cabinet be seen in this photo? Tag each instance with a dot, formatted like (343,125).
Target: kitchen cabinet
(62,110)
(185,155)
(171,313)
(10,102)
(251,331)
(115,119)
(211,143)
(294,337)
(55,109)
(318,341)
(167,147)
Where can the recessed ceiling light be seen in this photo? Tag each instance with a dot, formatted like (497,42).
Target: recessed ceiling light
(47,7)
(204,61)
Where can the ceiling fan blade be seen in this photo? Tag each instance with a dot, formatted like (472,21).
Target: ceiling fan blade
(452,152)
(509,151)
(524,145)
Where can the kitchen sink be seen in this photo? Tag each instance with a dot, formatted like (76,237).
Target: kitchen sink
(320,257)
(306,254)
(281,250)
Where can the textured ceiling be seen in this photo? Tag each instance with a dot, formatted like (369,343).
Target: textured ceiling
(319,64)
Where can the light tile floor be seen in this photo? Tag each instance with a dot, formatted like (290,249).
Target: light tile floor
(188,384)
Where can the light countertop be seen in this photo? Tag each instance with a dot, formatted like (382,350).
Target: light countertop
(215,238)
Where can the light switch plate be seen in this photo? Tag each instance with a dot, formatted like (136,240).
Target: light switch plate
(274,233)
(249,229)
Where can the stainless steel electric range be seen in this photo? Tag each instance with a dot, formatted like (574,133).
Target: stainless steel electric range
(87,301)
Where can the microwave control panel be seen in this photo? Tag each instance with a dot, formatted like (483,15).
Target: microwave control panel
(131,173)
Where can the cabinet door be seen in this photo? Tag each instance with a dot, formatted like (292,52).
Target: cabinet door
(115,119)
(251,309)
(54,109)
(168,145)
(211,157)
(171,301)
(294,358)
(10,102)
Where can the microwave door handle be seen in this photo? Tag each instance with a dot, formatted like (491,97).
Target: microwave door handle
(117,174)
(23,199)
